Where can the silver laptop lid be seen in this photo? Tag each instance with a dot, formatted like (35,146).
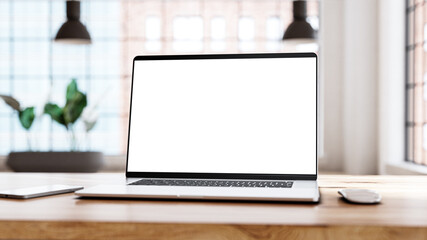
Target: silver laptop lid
(224,116)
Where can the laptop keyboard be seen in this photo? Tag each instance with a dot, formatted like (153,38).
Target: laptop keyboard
(214,183)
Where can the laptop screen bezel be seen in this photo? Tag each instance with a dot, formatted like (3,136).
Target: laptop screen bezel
(221,175)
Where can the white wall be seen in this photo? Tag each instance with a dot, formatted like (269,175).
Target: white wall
(360,84)
(351,61)
(331,72)
(391,120)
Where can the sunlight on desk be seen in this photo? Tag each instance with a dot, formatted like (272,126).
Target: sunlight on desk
(401,213)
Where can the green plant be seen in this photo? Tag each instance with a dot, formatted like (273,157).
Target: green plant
(67,115)
(26,115)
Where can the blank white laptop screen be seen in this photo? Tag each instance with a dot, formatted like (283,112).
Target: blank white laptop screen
(254,115)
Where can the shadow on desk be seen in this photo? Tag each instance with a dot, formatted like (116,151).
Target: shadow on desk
(96,200)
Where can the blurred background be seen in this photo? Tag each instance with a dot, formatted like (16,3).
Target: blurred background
(372,64)
(32,66)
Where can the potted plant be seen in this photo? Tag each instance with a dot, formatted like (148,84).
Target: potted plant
(51,161)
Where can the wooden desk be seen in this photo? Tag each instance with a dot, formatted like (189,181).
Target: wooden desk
(402,214)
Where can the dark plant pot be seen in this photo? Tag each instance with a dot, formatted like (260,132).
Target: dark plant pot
(55,161)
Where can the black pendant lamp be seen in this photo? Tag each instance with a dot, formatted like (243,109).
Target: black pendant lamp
(300,29)
(73,31)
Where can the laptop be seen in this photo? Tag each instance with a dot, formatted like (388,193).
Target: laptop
(223,127)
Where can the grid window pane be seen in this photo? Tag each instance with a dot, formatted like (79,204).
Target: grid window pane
(246,33)
(4,58)
(103,19)
(410,106)
(153,46)
(410,143)
(187,46)
(246,28)
(273,46)
(419,27)
(30,58)
(40,133)
(416,78)
(273,28)
(68,61)
(4,20)
(5,133)
(153,28)
(60,138)
(188,28)
(218,46)
(218,28)
(105,96)
(103,132)
(30,19)
(100,60)
(247,46)
(36,70)
(31,91)
(57,16)
(410,19)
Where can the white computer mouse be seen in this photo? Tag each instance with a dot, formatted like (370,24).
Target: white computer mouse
(366,196)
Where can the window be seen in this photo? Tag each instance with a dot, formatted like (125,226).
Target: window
(416,78)
(273,33)
(153,34)
(187,34)
(33,68)
(218,35)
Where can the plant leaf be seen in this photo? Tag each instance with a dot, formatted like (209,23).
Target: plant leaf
(89,125)
(89,117)
(26,117)
(12,102)
(55,112)
(74,107)
(71,90)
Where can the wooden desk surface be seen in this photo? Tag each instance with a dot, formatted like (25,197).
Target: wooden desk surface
(401,215)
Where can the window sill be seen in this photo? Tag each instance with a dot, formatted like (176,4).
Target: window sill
(112,164)
(405,168)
